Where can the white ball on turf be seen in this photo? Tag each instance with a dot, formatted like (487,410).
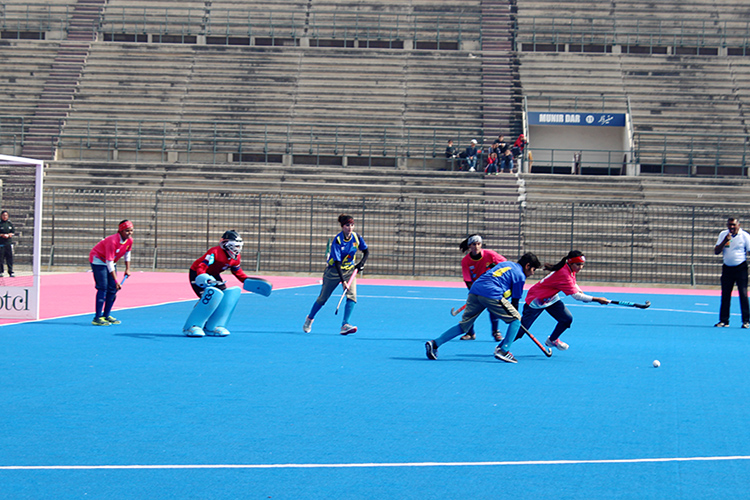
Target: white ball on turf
(656,363)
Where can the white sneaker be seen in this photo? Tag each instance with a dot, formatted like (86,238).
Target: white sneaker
(347,329)
(472,169)
(556,343)
(307,327)
(219,331)
(194,331)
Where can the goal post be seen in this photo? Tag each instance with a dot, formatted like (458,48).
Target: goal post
(19,295)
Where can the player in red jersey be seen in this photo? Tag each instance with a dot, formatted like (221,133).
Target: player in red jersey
(218,259)
(545,296)
(103,259)
(474,264)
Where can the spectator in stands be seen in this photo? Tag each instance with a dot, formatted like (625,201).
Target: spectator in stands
(491,167)
(502,145)
(733,244)
(450,150)
(6,243)
(471,155)
(518,148)
(506,161)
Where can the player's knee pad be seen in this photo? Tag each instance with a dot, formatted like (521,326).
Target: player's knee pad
(218,320)
(204,308)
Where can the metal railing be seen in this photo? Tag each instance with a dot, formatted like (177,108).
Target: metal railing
(624,243)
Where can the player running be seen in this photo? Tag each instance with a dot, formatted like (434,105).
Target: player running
(340,268)
(474,264)
(491,291)
(544,295)
(216,305)
(103,259)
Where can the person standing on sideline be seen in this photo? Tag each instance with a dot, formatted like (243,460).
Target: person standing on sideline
(341,266)
(7,232)
(544,296)
(103,258)
(474,264)
(733,244)
(492,291)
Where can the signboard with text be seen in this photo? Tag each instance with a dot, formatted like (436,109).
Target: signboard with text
(578,119)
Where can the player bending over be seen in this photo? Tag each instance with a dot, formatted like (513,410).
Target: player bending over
(491,291)
(217,302)
(545,296)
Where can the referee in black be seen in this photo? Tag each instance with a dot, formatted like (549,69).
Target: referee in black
(6,243)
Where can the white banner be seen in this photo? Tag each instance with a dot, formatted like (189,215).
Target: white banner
(18,302)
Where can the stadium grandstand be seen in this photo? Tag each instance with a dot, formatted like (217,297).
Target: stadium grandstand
(271,117)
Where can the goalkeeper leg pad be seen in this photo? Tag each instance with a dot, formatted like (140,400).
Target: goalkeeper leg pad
(216,324)
(204,308)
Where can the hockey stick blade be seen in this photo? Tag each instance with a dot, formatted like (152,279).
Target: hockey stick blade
(632,304)
(257,285)
(455,312)
(547,351)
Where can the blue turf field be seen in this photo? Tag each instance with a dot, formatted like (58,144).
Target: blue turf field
(139,411)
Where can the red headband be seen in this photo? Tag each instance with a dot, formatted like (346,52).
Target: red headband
(126,224)
(577,260)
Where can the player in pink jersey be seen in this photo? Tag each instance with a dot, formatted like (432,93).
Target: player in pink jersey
(474,264)
(544,295)
(103,259)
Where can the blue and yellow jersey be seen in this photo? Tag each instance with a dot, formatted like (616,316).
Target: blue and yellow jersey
(505,280)
(344,250)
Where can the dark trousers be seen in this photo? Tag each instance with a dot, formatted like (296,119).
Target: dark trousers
(556,310)
(106,290)
(729,276)
(6,255)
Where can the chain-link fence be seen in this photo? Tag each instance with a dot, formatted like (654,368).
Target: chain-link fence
(408,237)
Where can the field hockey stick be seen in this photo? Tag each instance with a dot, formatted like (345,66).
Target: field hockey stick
(122,282)
(631,304)
(346,289)
(514,312)
(455,312)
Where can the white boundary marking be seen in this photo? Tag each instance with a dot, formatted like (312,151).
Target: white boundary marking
(375,465)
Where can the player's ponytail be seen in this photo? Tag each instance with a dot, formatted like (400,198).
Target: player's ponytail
(571,255)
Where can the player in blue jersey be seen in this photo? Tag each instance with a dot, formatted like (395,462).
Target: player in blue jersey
(499,290)
(340,267)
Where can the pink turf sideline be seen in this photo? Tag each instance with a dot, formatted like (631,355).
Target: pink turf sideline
(70,294)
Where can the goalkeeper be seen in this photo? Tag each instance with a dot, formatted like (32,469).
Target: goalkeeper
(217,302)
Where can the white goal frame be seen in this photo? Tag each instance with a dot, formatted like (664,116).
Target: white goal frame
(27,294)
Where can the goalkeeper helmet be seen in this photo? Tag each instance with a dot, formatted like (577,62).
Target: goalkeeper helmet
(232,243)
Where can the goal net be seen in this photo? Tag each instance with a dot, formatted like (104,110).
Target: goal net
(22,199)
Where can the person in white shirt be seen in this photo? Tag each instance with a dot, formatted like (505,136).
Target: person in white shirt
(733,244)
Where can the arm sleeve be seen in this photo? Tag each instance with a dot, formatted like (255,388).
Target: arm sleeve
(239,273)
(365,254)
(579,295)
(126,257)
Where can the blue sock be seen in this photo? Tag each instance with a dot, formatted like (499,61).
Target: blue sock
(348,308)
(314,310)
(449,334)
(510,335)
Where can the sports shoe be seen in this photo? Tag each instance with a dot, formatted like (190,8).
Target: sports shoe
(497,336)
(472,169)
(721,324)
(219,331)
(469,336)
(100,321)
(12,275)
(347,329)
(113,320)
(556,343)
(194,331)
(307,327)
(745,325)
(506,356)
(431,349)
